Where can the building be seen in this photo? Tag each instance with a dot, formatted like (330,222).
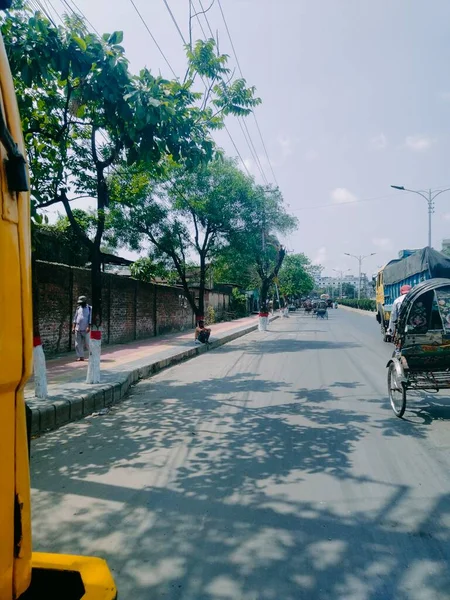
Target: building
(332,285)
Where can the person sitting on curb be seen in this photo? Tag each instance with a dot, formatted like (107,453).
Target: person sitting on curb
(202,333)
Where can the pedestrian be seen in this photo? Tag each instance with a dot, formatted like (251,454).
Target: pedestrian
(82,326)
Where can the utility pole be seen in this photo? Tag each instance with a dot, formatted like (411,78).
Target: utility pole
(341,275)
(359,258)
(429,196)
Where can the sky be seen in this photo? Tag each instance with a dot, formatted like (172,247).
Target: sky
(355,97)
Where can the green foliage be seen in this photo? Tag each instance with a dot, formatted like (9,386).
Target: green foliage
(146,269)
(238,303)
(232,266)
(263,218)
(210,315)
(363,304)
(294,278)
(94,130)
(348,290)
(54,244)
(191,218)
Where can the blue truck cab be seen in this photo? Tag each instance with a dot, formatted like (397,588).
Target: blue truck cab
(410,268)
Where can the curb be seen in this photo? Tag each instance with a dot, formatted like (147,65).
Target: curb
(47,415)
(367,313)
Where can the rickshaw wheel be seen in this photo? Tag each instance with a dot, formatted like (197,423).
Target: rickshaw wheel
(397,395)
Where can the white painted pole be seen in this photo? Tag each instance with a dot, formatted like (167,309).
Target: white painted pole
(39,370)
(95,349)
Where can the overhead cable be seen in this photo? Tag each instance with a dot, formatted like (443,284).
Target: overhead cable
(240,71)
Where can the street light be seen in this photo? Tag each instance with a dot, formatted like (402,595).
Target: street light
(359,258)
(340,278)
(429,196)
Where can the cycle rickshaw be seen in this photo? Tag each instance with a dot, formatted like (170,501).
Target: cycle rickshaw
(322,310)
(422,357)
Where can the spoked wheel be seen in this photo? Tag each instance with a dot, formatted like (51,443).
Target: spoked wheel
(397,392)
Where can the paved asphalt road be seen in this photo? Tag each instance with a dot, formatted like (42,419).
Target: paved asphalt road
(272,468)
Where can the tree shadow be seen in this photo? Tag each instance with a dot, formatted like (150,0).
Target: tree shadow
(195,490)
(282,346)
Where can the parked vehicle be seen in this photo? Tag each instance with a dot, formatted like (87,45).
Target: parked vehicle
(292,308)
(422,358)
(411,268)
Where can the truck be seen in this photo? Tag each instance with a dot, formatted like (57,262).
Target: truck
(410,268)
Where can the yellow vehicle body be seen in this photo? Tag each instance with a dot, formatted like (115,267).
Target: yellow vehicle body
(383,311)
(24,574)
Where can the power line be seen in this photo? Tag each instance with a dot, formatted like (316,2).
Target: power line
(252,152)
(175,21)
(242,124)
(204,14)
(377,198)
(45,11)
(80,13)
(153,38)
(256,153)
(204,82)
(44,3)
(265,149)
(198,18)
(238,153)
(240,71)
(257,160)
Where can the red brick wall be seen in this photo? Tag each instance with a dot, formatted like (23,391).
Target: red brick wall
(131,309)
(173,312)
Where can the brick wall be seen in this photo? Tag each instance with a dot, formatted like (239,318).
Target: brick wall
(131,309)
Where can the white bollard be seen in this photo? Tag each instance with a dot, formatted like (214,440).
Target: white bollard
(263,321)
(95,350)
(39,369)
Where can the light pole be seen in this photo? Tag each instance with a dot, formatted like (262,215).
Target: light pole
(429,196)
(359,258)
(341,274)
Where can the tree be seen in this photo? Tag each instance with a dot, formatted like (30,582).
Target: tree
(147,269)
(85,115)
(191,217)
(294,278)
(232,266)
(348,290)
(264,218)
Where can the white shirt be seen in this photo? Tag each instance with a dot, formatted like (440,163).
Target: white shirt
(395,312)
(82,318)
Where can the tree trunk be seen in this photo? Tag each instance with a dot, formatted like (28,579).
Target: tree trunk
(263,293)
(39,366)
(263,319)
(95,338)
(201,292)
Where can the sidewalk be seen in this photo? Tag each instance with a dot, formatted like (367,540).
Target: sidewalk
(70,398)
(367,313)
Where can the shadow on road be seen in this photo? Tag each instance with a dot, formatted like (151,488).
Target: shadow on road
(194,491)
(288,345)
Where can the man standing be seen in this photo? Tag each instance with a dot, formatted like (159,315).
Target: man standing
(82,326)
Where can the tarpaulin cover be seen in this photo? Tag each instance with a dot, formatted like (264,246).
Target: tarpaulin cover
(427,259)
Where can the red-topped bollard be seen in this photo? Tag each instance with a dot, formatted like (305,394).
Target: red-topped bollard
(263,321)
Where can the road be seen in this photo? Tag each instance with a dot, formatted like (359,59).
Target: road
(270,469)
